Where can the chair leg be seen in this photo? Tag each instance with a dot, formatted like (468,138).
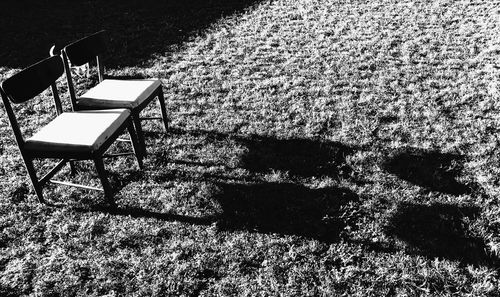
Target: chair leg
(163,109)
(108,193)
(140,133)
(34,179)
(135,144)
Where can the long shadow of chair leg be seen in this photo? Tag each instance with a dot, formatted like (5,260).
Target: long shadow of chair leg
(137,212)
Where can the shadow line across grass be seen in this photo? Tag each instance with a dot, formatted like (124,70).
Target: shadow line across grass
(137,212)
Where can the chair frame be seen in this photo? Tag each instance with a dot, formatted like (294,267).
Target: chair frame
(92,48)
(29,156)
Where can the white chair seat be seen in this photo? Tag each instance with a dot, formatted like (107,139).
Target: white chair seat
(115,93)
(77,132)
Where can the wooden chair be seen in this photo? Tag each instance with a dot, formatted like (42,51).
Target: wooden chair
(70,136)
(133,94)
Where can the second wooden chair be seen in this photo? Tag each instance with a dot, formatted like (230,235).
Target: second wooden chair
(133,94)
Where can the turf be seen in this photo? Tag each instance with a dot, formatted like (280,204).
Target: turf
(331,148)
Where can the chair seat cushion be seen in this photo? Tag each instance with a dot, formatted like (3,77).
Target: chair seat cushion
(77,132)
(115,93)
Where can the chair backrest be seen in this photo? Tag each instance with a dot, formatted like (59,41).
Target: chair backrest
(33,80)
(86,49)
(27,84)
(81,52)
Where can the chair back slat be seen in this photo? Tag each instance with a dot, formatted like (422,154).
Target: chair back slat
(86,49)
(33,80)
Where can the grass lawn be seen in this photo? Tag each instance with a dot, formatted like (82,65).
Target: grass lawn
(316,148)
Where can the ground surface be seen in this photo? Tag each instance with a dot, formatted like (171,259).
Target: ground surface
(316,148)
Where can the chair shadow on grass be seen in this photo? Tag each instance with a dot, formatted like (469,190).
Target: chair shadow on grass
(299,157)
(287,209)
(249,203)
(137,29)
(440,230)
(432,170)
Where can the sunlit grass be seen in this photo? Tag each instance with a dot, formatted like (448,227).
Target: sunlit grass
(316,148)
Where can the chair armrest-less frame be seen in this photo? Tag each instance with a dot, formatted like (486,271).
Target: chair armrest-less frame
(68,137)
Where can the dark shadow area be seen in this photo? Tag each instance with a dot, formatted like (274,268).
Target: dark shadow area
(119,180)
(432,170)
(137,29)
(376,247)
(321,214)
(439,230)
(388,119)
(19,194)
(299,156)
